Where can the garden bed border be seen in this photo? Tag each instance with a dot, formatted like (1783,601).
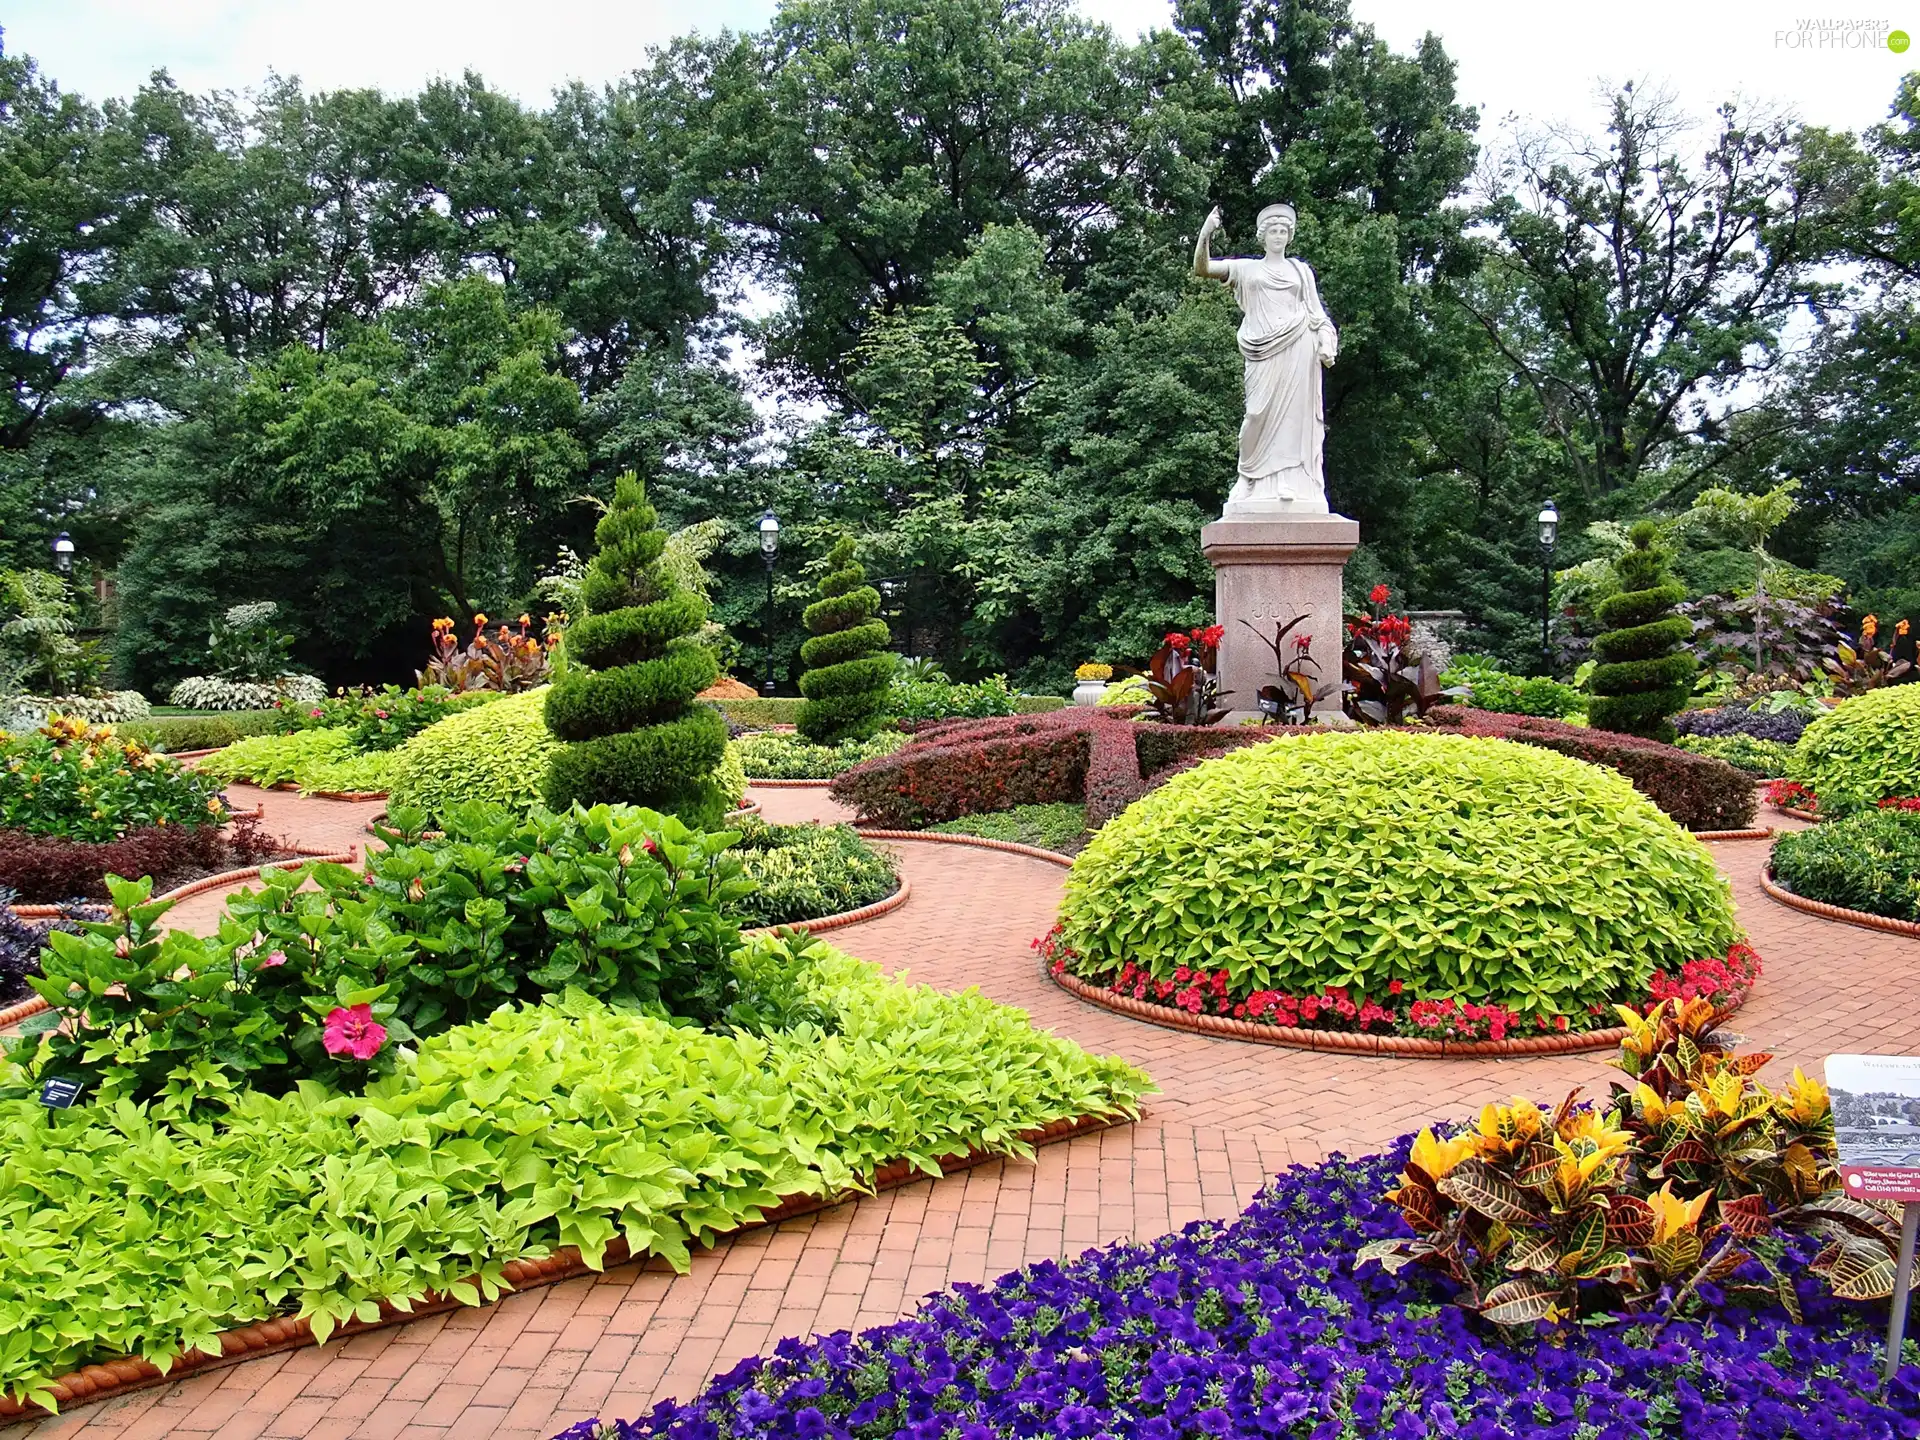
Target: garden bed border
(1759,832)
(979,842)
(1865,919)
(116,1377)
(1349,1042)
(790,784)
(846,917)
(1809,816)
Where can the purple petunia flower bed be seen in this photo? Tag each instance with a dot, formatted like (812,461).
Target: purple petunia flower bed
(1263,1327)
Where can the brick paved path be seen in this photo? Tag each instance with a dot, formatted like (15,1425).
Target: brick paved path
(1230,1114)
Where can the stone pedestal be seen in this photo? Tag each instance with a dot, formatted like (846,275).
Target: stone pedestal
(1266,571)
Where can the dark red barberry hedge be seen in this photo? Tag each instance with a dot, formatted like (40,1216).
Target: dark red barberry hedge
(45,869)
(971,767)
(1698,791)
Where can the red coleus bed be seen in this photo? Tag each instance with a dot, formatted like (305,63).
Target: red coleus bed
(1724,981)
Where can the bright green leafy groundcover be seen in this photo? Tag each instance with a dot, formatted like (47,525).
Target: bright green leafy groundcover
(1059,827)
(568,1123)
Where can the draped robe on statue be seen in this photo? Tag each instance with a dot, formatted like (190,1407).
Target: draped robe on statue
(1281,439)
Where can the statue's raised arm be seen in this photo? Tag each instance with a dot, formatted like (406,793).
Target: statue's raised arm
(1286,339)
(1204,265)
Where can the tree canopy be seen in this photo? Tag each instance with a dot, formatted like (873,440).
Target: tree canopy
(917,270)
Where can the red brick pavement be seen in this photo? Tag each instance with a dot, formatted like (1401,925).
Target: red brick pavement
(1230,1114)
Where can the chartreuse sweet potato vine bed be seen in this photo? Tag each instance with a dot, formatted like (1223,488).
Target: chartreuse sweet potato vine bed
(565,1123)
(1402,883)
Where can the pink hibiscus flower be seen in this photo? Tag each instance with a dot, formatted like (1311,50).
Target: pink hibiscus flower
(352,1030)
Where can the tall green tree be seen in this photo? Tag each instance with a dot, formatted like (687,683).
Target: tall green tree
(1655,281)
(866,144)
(422,463)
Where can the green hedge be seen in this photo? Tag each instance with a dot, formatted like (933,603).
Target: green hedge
(1038,704)
(771,710)
(806,872)
(568,1123)
(1869,861)
(1762,759)
(1469,868)
(789,757)
(174,733)
(1863,751)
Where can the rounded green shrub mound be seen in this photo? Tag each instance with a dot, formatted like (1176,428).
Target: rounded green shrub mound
(1469,868)
(1869,861)
(625,705)
(496,752)
(805,872)
(1643,676)
(1861,752)
(849,668)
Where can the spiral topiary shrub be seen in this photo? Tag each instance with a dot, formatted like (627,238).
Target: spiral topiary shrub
(625,708)
(1392,863)
(1865,750)
(849,668)
(1643,677)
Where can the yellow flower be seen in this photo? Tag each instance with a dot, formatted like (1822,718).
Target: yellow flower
(1093,671)
(213,805)
(1673,1216)
(1438,1157)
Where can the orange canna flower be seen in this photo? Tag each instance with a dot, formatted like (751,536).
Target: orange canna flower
(1869,627)
(1901,628)
(479,620)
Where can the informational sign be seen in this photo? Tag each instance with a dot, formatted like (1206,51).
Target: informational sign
(1876,1122)
(58,1094)
(1876,1127)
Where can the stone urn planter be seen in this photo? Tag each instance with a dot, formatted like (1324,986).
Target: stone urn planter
(1088,692)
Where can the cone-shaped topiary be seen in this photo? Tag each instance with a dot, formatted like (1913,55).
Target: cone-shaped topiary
(625,705)
(1643,676)
(849,668)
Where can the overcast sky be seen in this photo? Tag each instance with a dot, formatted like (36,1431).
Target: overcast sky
(1529,59)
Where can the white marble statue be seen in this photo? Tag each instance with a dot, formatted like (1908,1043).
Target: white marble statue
(1286,339)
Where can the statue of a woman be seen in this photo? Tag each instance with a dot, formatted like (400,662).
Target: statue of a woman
(1285,337)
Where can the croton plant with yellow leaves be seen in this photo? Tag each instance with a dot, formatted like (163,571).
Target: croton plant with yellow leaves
(1687,1172)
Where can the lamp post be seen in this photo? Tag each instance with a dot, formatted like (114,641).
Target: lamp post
(1549,534)
(63,552)
(769,547)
